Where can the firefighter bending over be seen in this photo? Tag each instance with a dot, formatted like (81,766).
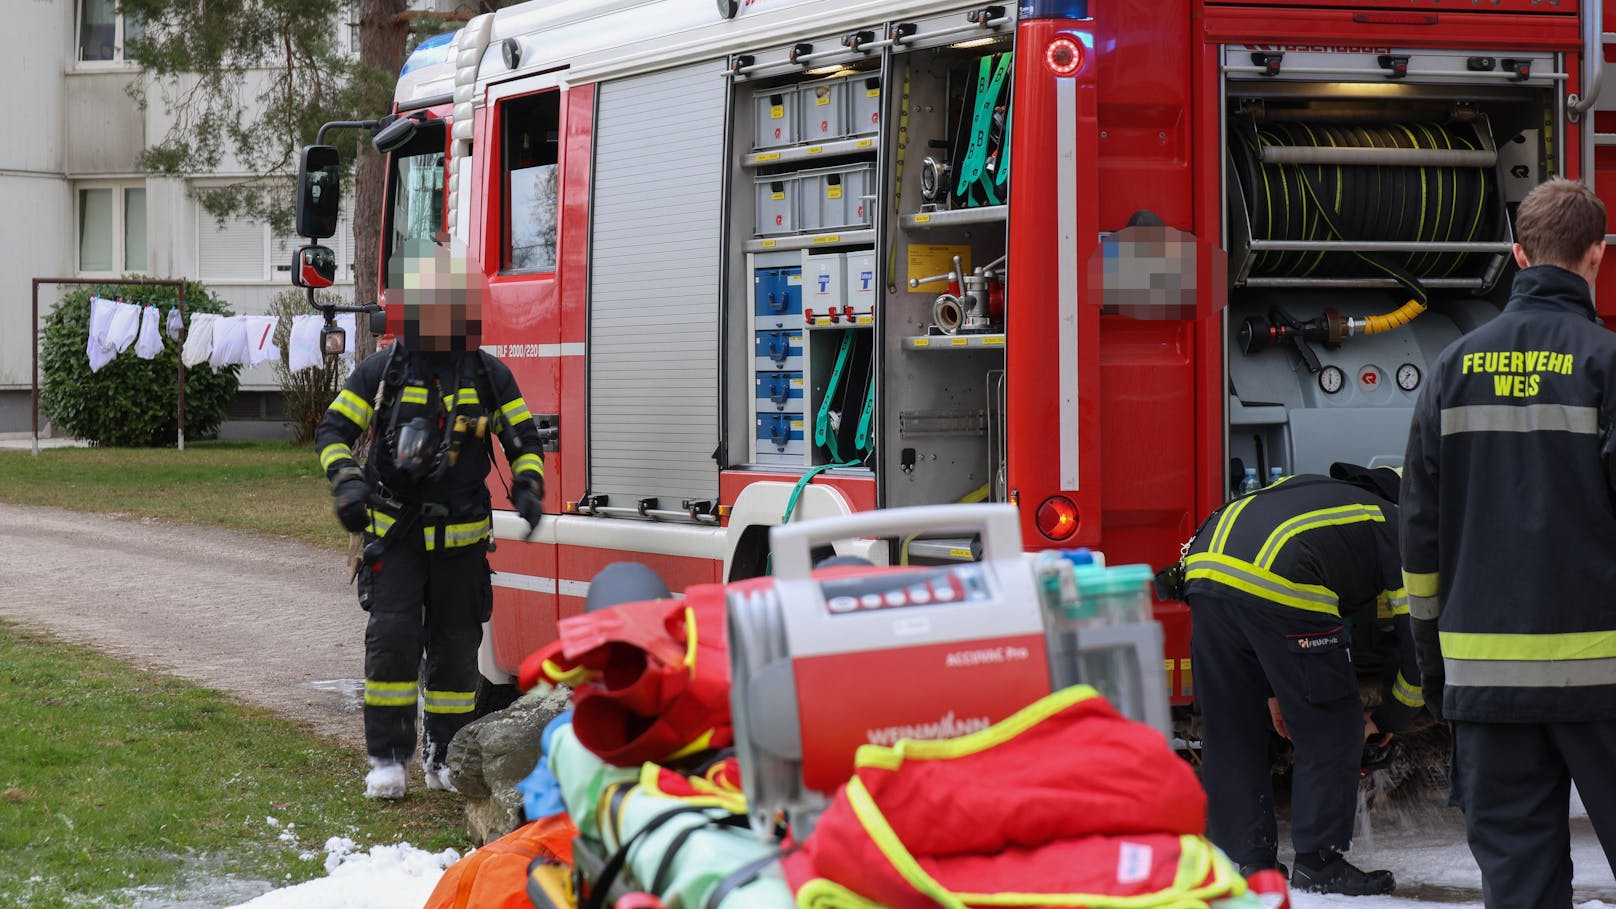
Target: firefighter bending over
(430,404)
(1268,579)
(1509,551)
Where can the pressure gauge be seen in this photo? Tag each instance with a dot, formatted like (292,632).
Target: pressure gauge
(1408,377)
(1331,378)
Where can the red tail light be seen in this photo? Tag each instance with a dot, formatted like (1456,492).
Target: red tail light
(1064,56)
(1057,518)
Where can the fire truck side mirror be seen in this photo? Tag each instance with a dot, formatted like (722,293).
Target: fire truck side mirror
(394,135)
(319,191)
(314,266)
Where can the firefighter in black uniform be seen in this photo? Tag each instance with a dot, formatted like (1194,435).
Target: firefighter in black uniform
(1269,578)
(430,404)
(1509,555)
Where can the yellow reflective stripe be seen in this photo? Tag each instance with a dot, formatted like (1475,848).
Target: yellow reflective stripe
(516,412)
(333,453)
(1397,601)
(1260,583)
(380,523)
(450,701)
(1406,694)
(531,462)
(1421,585)
(1576,645)
(889,757)
(352,406)
(413,394)
(1313,520)
(458,535)
(390,694)
(463,396)
(1220,533)
(1197,862)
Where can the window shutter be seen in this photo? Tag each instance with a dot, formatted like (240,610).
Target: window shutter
(232,250)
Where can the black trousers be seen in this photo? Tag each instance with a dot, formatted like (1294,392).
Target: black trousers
(429,604)
(1514,782)
(1243,652)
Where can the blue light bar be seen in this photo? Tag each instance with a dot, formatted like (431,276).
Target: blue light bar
(1054,9)
(432,51)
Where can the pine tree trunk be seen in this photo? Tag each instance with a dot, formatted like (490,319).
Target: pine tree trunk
(382,32)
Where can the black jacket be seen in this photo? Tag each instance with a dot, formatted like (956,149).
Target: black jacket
(1324,548)
(434,389)
(1509,524)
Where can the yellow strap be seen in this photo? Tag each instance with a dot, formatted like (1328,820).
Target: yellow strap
(1197,862)
(891,757)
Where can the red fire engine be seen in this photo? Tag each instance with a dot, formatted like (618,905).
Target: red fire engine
(1098,258)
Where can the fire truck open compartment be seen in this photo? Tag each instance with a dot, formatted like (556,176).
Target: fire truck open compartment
(838,197)
(1424,155)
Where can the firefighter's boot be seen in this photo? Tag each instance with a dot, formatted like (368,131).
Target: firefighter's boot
(386,780)
(437,777)
(1250,868)
(1330,872)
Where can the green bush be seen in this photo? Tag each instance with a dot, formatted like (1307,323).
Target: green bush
(307,393)
(130,402)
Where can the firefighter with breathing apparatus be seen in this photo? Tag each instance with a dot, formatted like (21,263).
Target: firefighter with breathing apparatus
(431,405)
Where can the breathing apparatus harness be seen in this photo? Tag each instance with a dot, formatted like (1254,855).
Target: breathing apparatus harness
(424,449)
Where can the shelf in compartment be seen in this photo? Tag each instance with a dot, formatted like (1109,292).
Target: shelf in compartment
(954,342)
(852,237)
(986,214)
(850,146)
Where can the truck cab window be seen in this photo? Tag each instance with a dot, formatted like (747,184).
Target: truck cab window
(531,125)
(415,211)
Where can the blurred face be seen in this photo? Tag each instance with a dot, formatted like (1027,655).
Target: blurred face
(442,293)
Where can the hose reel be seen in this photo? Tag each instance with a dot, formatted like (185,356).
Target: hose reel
(1401,205)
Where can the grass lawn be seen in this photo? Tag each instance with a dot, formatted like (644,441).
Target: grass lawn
(264,487)
(111,777)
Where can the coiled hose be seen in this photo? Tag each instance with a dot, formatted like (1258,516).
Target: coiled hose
(1347,202)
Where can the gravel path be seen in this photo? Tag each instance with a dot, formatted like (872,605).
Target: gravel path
(272,622)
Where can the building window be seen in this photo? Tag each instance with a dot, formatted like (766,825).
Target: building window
(246,250)
(532,138)
(112,229)
(103,32)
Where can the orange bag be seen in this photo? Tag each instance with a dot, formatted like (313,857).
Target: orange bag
(496,876)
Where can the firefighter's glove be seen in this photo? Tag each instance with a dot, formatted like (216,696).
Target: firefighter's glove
(350,496)
(1379,751)
(527,497)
